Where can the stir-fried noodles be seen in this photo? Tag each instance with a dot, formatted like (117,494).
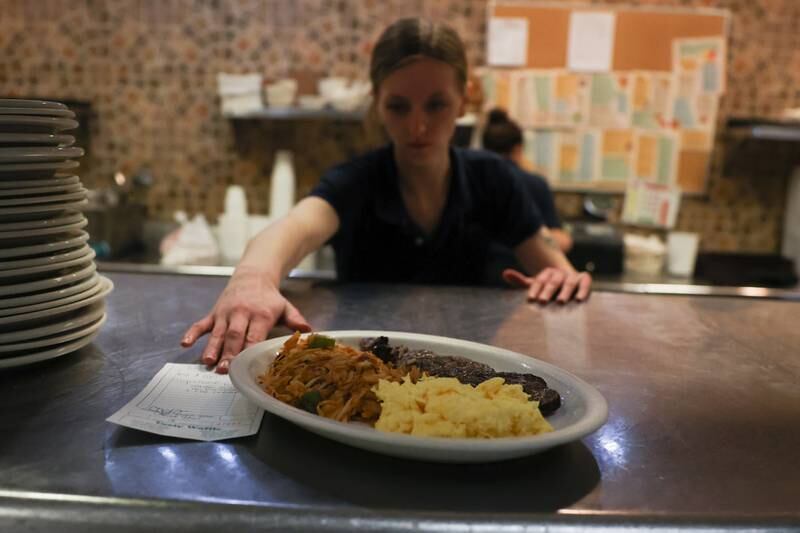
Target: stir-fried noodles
(328,378)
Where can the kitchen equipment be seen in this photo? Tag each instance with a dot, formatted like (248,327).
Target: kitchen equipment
(597,248)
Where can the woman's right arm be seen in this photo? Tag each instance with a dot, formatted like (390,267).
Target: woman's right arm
(251,303)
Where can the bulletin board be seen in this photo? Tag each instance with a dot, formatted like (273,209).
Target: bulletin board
(644,44)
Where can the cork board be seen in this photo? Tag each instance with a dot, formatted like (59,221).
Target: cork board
(642,41)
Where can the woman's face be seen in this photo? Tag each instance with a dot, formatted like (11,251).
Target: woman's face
(418,104)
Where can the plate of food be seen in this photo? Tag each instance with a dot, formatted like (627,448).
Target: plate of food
(418,396)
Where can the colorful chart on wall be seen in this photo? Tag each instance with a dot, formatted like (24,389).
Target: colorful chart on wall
(611,96)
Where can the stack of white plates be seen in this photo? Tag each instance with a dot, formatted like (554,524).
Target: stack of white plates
(51,297)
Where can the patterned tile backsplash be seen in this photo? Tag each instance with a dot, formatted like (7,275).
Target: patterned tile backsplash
(149,69)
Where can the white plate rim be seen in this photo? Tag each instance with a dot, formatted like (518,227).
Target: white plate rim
(51,353)
(56,123)
(55,166)
(35,201)
(38,111)
(25,154)
(44,208)
(36,139)
(68,295)
(48,259)
(31,102)
(88,255)
(90,314)
(44,284)
(45,247)
(66,188)
(36,232)
(40,183)
(101,289)
(47,297)
(50,340)
(428,448)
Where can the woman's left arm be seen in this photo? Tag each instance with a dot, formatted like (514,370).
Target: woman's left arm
(556,278)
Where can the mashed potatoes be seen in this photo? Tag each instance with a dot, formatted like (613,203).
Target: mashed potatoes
(444,407)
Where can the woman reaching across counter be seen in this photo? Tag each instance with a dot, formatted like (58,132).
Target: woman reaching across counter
(417,210)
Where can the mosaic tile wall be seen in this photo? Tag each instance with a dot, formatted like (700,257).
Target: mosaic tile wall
(149,68)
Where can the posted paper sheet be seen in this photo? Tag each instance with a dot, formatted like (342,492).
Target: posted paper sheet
(190,402)
(507,42)
(591,41)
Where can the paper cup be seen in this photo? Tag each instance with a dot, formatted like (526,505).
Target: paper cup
(681,252)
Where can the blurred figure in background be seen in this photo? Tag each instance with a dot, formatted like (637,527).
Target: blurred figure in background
(503,136)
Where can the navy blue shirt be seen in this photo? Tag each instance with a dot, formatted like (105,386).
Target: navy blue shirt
(539,190)
(378,241)
(502,257)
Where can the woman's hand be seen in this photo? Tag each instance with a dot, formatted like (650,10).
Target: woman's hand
(552,282)
(243,315)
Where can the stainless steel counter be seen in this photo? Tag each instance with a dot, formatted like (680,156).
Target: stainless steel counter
(663,285)
(703,429)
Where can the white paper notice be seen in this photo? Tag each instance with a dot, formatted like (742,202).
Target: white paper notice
(190,402)
(591,41)
(508,42)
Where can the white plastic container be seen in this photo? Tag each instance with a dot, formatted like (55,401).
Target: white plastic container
(644,255)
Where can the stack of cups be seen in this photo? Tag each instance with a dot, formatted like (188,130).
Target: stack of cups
(233,225)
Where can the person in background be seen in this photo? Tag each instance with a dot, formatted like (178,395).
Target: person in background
(503,136)
(417,210)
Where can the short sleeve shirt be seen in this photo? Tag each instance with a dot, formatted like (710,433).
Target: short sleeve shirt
(539,190)
(378,241)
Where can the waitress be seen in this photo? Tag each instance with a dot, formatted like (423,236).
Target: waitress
(417,210)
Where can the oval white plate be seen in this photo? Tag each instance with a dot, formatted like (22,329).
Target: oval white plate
(583,408)
(47,298)
(35,139)
(49,283)
(26,233)
(71,240)
(37,183)
(34,356)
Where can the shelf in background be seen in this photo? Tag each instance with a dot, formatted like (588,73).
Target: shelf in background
(296,113)
(769,130)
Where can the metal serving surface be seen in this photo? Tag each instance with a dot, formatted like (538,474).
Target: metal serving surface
(630,284)
(702,433)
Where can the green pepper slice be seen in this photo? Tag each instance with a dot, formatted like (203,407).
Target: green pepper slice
(320,341)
